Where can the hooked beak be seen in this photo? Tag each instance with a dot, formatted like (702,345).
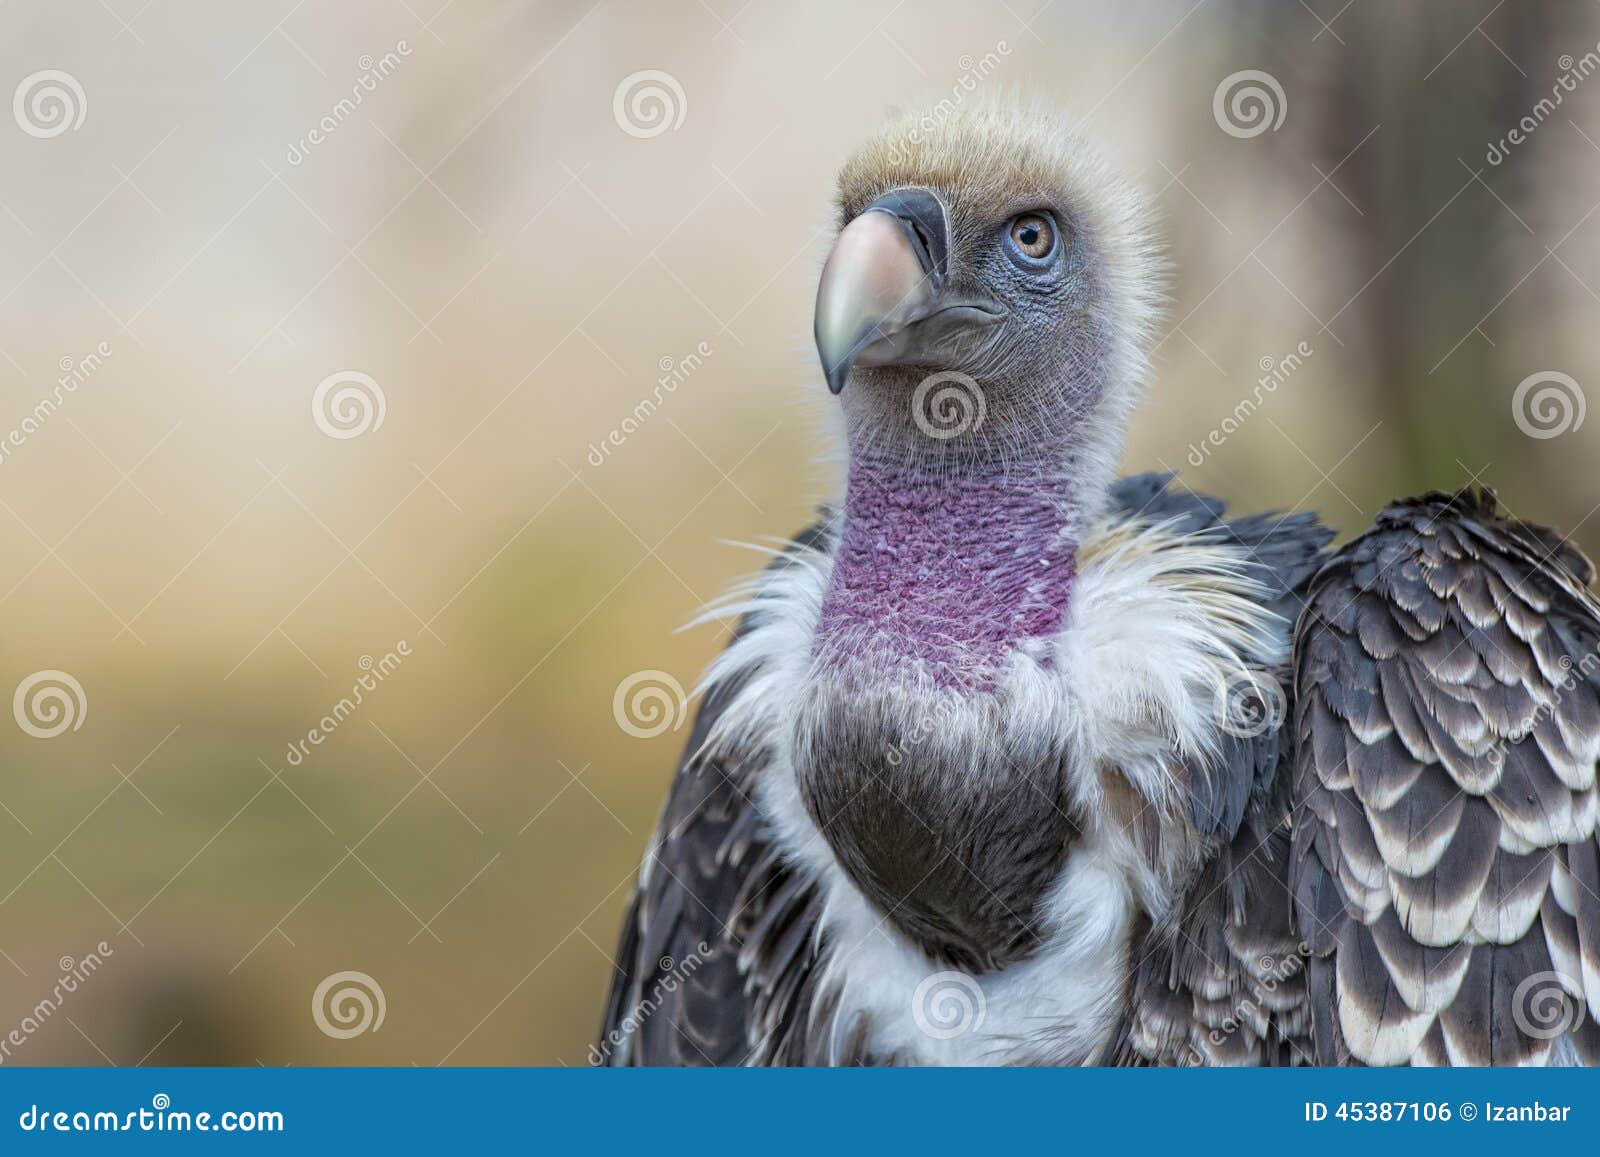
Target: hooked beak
(882,296)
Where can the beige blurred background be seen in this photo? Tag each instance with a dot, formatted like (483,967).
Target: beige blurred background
(483,237)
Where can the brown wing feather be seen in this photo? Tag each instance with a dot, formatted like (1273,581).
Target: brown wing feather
(1447,729)
(1226,983)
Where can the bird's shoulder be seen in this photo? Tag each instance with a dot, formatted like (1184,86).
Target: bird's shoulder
(1216,975)
(1184,617)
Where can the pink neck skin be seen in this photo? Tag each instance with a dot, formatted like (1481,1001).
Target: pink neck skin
(947,572)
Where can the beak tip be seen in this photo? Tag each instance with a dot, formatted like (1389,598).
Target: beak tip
(883,274)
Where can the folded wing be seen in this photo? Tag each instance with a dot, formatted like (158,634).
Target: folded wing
(1444,862)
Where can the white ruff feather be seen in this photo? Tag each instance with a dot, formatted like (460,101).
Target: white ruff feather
(1158,623)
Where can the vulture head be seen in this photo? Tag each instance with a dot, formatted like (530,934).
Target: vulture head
(989,298)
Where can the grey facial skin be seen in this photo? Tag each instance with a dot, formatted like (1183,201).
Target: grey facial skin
(918,283)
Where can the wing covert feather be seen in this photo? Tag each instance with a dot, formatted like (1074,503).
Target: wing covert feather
(1447,726)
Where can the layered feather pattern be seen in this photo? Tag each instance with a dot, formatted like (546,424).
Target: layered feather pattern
(1447,729)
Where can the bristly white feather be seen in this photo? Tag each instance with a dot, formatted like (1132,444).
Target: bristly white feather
(1128,687)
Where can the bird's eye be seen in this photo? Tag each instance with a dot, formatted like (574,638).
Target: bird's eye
(1032,237)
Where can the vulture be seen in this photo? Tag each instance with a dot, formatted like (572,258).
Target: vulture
(1010,760)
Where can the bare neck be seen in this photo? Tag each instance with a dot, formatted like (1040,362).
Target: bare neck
(948,571)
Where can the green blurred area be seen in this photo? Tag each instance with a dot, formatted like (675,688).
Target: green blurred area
(482,239)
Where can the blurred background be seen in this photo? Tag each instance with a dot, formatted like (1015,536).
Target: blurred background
(383,383)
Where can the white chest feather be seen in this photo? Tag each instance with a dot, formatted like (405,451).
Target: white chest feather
(1134,686)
